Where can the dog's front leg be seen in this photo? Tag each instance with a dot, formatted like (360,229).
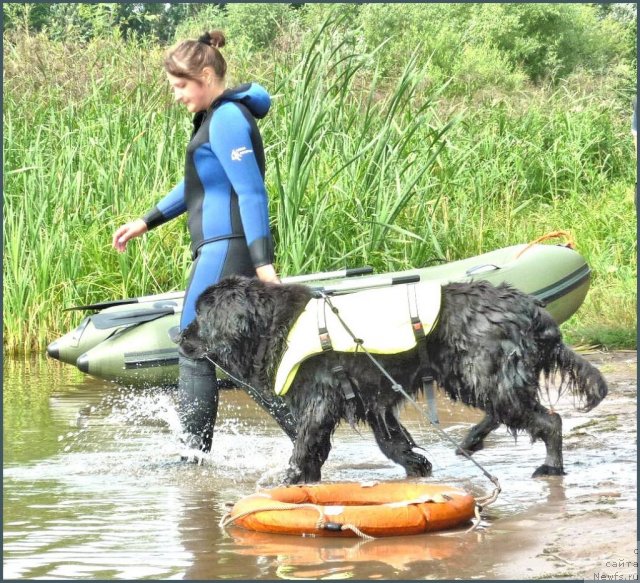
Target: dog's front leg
(310,449)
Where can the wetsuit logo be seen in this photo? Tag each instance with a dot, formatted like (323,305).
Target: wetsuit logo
(239,152)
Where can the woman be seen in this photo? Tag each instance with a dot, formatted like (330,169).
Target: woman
(224,194)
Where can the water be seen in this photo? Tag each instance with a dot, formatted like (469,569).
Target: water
(94,486)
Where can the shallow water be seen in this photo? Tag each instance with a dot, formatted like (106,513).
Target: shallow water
(94,486)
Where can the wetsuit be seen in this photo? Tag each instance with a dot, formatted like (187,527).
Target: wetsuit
(223,192)
(224,195)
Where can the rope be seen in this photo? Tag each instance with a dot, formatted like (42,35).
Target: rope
(553,235)
(355,529)
(321,523)
(477,511)
(227,519)
(256,395)
(487,500)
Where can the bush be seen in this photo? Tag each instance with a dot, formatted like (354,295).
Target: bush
(478,67)
(254,26)
(550,40)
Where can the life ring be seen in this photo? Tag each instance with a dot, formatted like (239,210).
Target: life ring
(353,509)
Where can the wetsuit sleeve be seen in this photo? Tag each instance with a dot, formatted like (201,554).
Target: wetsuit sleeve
(230,139)
(168,208)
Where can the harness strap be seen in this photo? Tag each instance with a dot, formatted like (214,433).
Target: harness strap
(323,332)
(416,323)
(344,381)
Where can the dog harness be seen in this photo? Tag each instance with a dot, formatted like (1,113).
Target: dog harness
(389,320)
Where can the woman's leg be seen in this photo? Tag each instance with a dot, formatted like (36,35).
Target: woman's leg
(197,383)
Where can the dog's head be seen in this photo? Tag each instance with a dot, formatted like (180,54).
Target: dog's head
(225,316)
(234,316)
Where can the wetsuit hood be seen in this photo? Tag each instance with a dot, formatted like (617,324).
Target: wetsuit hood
(253,96)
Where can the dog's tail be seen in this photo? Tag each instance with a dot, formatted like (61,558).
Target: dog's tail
(578,375)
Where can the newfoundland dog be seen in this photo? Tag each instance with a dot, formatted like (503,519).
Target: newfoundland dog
(489,349)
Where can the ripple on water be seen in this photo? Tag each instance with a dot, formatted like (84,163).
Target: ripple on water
(99,490)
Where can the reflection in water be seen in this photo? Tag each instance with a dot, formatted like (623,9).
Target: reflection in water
(93,487)
(297,557)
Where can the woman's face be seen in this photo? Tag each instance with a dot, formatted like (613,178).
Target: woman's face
(194,95)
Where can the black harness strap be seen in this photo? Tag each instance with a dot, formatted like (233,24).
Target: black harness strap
(345,382)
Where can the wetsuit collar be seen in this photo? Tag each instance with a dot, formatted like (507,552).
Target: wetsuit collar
(200,116)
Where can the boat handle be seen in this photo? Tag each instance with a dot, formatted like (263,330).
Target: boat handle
(482,268)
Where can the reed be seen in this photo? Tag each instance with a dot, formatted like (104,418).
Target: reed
(362,169)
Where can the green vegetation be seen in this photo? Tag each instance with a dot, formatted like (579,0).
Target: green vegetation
(458,130)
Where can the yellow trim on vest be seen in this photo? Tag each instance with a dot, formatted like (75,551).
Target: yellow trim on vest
(381,317)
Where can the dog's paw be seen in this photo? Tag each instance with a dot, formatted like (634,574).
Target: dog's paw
(416,464)
(291,476)
(470,447)
(545,470)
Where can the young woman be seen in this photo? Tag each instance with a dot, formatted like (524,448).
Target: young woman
(224,194)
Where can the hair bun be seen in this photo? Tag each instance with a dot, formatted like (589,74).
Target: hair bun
(213,38)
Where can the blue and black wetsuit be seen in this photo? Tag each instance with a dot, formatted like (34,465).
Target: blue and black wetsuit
(223,192)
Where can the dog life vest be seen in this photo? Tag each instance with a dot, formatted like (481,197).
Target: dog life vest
(389,320)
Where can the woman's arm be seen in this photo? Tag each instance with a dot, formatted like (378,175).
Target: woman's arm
(171,206)
(168,208)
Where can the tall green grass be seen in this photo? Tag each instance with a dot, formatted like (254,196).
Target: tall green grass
(353,157)
(362,169)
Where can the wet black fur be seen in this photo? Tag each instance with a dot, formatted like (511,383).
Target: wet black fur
(489,350)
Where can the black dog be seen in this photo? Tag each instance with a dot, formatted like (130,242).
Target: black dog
(489,349)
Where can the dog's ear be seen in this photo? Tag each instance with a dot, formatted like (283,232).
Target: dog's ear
(190,343)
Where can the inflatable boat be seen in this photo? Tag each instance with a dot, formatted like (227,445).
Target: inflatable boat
(129,340)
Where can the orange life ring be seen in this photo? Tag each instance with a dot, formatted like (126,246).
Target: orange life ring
(343,509)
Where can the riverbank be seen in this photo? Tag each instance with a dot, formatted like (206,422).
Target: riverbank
(582,531)
(92,475)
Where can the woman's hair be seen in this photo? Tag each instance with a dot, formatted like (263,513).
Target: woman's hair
(189,58)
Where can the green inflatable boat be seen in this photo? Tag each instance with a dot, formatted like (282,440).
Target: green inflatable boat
(129,341)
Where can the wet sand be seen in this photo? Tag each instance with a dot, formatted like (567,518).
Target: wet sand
(591,535)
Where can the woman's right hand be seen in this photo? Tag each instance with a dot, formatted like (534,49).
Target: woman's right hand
(122,236)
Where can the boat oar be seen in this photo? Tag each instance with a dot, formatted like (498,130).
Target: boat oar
(138,315)
(352,272)
(144,299)
(135,316)
(348,287)
(339,273)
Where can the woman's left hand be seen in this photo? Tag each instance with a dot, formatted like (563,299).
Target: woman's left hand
(267,273)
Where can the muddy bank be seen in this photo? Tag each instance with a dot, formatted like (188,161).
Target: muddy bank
(581,530)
